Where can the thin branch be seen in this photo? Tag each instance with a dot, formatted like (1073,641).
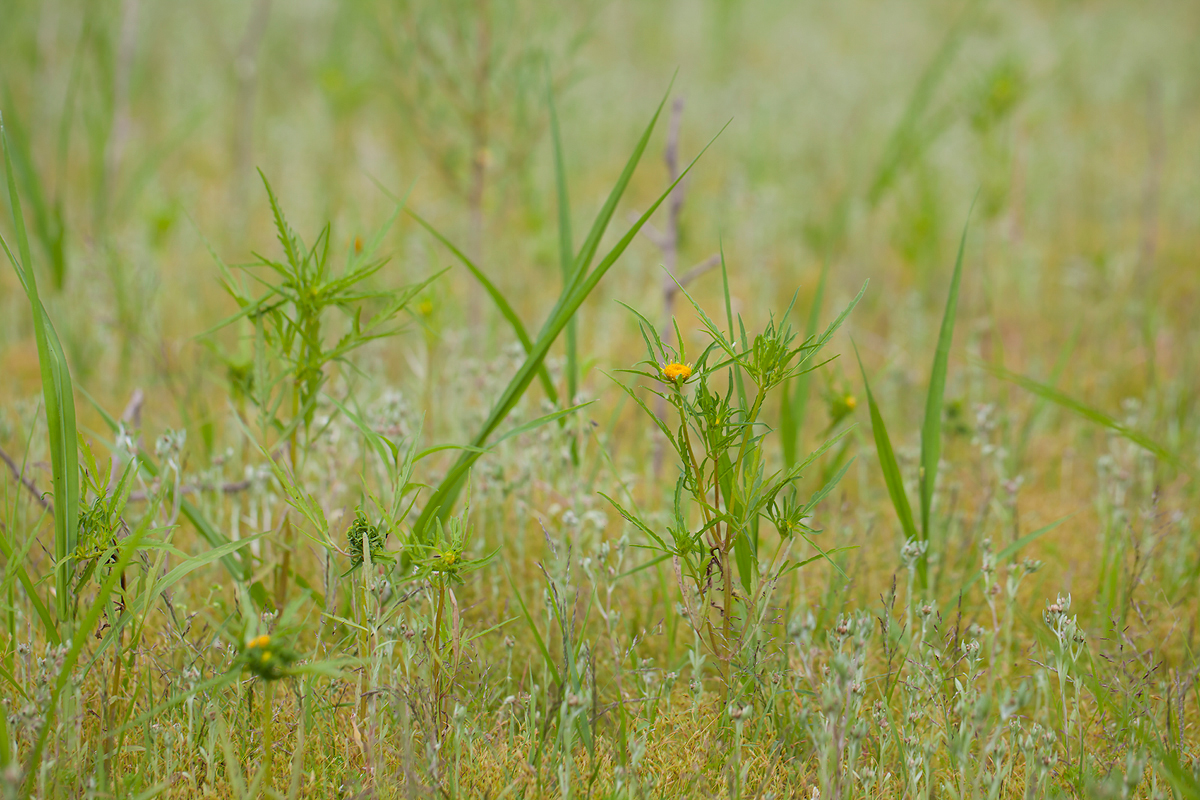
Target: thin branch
(224,488)
(670,288)
(26,482)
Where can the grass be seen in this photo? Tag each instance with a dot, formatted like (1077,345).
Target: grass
(386,514)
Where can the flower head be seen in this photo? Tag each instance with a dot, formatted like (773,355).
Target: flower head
(676,371)
(266,661)
(851,402)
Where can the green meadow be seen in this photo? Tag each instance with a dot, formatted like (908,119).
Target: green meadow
(599,399)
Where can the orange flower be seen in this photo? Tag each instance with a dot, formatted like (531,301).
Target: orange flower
(676,371)
(260,641)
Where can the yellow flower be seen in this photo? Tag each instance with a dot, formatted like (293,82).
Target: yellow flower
(261,641)
(851,402)
(676,371)
(449,558)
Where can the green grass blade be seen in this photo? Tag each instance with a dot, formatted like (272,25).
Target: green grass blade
(47,219)
(1064,356)
(795,392)
(1088,413)
(502,304)
(540,421)
(737,371)
(566,245)
(568,303)
(931,429)
(537,636)
(59,399)
(908,139)
(887,462)
(592,243)
(1014,548)
(13,563)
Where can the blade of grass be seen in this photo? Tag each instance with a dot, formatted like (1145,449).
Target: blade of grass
(1088,413)
(568,303)
(931,429)
(47,219)
(566,247)
(795,406)
(887,461)
(537,637)
(59,399)
(1015,547)
(1064,356)
(502,304)
(908,140)
(737,372)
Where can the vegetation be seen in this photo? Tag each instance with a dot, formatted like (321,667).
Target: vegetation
(890,494)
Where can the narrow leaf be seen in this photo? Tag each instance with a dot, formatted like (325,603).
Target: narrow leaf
(931,430)
(887,462)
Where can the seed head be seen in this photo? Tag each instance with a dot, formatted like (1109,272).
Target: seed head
(375,539)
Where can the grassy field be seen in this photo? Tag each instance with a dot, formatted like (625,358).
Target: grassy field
(500,398)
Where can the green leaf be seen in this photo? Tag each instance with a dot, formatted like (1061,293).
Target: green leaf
(1014,548)
(238,568)
(568,303)
(537,637)
(566,246)
(829,486)
(59,399)
(795,401)
(887,462)
(502,304)
(128,549)
(931,430)
(537,423)
(1088,413)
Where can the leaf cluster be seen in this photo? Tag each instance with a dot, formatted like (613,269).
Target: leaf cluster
(288,315)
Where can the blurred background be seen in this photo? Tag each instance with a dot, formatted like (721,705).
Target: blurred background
(859,136)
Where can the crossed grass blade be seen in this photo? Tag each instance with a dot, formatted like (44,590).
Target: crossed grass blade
(502,305)
(570,299)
